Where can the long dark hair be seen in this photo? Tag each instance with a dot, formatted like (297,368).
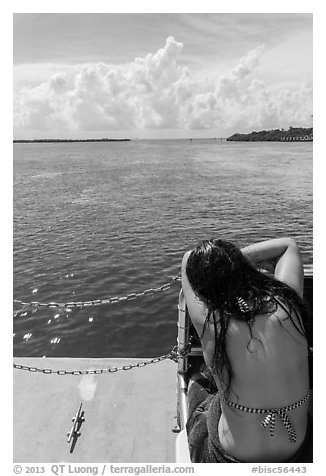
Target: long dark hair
(230,286)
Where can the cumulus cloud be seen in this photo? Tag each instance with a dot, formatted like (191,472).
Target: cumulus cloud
(248,63)
(156,92)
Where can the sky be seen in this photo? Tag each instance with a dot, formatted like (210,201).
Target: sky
(157,75)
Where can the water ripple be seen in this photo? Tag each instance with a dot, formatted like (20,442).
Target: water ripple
(106,219)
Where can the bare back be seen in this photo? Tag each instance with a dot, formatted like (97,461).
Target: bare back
(270,370)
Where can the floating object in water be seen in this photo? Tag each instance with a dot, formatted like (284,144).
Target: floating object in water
(90,319)
(27,336)
(49,321)
(56,316)
(34,291)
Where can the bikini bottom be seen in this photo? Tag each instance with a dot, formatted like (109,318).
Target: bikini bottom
(205,411)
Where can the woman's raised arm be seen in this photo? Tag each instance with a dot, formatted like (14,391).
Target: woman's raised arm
(286,254)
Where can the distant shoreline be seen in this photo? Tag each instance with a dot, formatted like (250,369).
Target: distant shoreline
(67,140)
(293,134)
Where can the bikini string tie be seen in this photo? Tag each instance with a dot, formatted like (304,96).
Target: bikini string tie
(269,421)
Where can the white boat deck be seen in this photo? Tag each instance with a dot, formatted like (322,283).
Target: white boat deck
(129,415)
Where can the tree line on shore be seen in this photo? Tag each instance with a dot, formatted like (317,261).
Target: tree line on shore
(292,134)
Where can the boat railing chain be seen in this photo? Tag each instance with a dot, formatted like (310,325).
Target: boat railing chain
(173,355)
(97,302)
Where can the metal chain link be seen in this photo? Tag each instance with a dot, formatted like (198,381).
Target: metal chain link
(97,302)
(173,355)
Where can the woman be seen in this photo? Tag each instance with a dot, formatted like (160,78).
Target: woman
(254,344)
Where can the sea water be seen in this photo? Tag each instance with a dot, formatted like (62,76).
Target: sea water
(97,220)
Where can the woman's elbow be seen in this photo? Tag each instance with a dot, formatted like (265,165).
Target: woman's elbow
(290,243)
